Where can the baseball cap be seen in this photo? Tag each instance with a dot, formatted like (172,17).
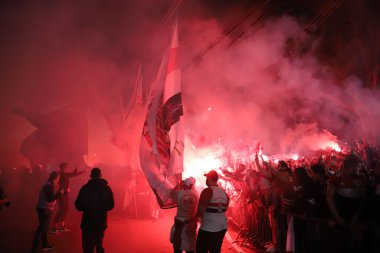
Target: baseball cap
(188,182)
(213,175)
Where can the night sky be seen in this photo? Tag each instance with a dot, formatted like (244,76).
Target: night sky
(285,73)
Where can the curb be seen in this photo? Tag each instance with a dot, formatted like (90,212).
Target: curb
(235,248)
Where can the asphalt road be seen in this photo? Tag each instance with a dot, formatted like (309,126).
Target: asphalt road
(124,235)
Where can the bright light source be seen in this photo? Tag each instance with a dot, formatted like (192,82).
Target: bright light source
(265,158)
(295,157)
(332,145)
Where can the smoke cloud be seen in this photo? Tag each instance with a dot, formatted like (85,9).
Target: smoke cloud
(260,90)
(56,53)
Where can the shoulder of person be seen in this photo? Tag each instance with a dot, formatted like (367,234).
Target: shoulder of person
(206,193)
(207,190)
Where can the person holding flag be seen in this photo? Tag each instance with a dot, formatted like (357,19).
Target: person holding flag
(183,232)
(162,140)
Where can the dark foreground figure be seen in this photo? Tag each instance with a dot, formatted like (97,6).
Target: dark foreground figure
(95,199)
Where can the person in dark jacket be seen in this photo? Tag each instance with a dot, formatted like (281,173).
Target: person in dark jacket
(95,199)
(63,202)
(46,202)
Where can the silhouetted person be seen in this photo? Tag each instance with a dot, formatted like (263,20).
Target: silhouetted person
(213,203)
(46,202)
(4,200)
(63,202)
(95,199)
(347,197)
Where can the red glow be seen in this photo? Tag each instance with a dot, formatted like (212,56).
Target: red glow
(332,145)
(197,163)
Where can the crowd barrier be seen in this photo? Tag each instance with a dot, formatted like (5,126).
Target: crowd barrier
(299,233)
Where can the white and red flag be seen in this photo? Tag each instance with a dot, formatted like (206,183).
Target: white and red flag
(162,141)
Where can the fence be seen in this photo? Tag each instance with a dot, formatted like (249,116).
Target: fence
(300,234)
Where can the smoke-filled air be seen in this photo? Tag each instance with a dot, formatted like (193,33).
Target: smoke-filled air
(154,91)
(256,74)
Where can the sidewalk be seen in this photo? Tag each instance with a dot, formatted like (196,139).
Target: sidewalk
(237,244)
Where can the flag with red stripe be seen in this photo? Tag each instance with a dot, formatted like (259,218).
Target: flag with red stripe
(173,110)
(162,145)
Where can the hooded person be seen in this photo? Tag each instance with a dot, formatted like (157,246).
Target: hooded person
(94,199)
(213,203)
(183,231)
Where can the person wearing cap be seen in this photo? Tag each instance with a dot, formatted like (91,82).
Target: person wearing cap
(183,232)
(47,198)
(213,203)
(94,199)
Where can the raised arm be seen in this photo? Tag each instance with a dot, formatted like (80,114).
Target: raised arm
(75,173)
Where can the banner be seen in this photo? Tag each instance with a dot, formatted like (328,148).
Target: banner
(162,145)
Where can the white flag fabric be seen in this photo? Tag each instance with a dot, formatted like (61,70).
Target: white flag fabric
(161,147)
(173,110)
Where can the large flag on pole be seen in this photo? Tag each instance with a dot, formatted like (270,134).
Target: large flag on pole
(162,145)
(172,108)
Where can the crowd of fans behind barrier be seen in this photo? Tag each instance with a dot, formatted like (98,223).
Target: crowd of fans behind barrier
(326,203)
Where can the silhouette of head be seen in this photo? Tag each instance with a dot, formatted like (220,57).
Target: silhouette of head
(96,173)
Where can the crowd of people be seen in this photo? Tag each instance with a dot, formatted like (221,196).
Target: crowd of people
(94,199)
(329,202)
(326,203)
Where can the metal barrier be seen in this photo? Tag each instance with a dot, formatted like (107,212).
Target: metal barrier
(310,234)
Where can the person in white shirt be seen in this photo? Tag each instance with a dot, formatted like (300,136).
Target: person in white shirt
(213,203)
(183,231)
